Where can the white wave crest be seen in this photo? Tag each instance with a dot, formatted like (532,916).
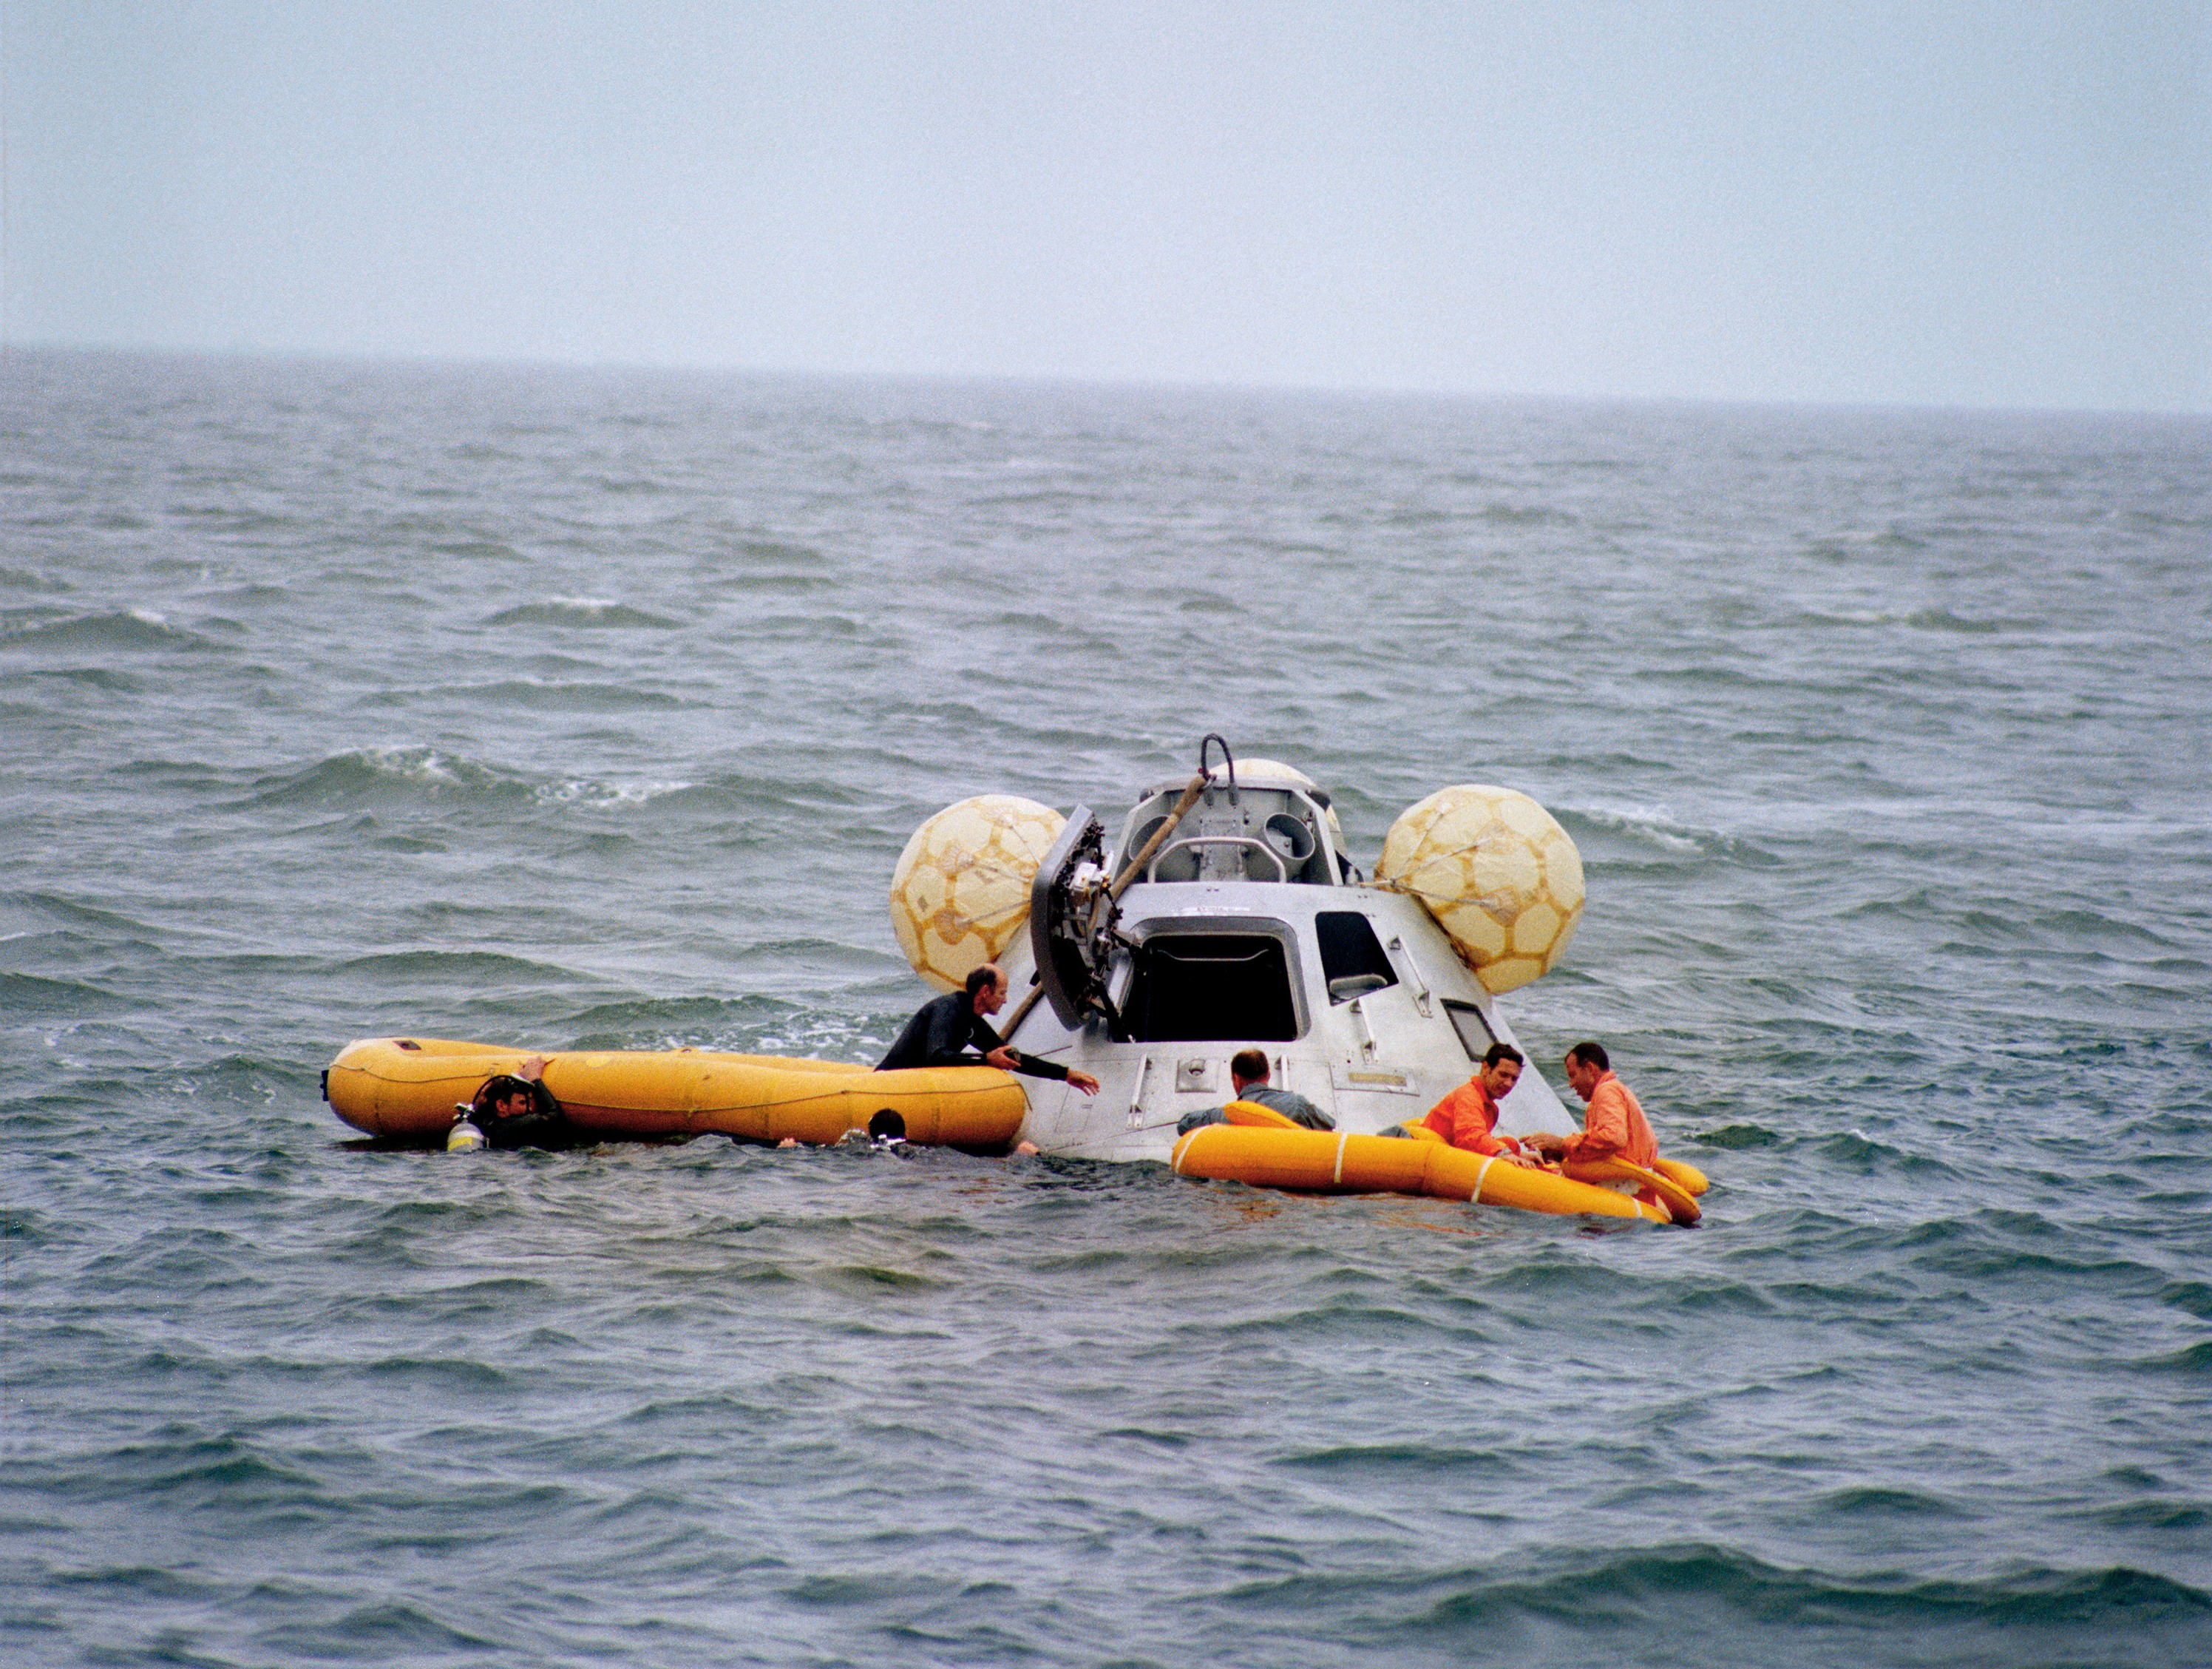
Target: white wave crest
(1653,826)
(580,792)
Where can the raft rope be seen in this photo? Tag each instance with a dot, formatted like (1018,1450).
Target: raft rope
(1342,1136)
(1475,1198)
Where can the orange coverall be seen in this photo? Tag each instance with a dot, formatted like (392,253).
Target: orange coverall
(1464,1118)
(1613,1127)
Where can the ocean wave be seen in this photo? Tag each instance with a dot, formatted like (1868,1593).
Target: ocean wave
(677,1013)
(28,995)
(588,612)
(1858,1153)
(2193,1296)
(497,549)
(1503,515)
(31,579)
(117,630)
(1165,1440)
(1638,1588)
(797,584)
(552,696)
(449,967)
(1737,1136)
(869,1280)
(756,801)
(576,792)
(1922,620)
(1886,1500)
(2193,1360)
(388,1631)
(225,1468)
(1425,1460)
(1651,825)
(380,776)
(1871,538)
(812,628)
(2155,1514)
(97,678)
(785,550)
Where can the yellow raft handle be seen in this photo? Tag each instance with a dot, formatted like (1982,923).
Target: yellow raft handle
(1679,1203)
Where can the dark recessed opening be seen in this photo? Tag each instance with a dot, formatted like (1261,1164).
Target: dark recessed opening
(1475,1033)
(1349,948)
(1212,987)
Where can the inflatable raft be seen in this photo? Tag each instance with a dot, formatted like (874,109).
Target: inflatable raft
(405,1088)
(1260,1146)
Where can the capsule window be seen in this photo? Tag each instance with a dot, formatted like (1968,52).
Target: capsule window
(1212,988)
(1475,1033)
(1350,951)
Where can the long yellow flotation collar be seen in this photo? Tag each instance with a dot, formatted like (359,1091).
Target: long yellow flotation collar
(1267,1154)
(405,1088)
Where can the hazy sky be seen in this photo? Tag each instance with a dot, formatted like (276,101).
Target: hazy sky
(1977,205)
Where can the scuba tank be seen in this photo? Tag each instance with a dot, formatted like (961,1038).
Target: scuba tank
(464,1137)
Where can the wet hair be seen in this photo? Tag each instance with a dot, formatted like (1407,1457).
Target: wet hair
(1505,1051)
(1249,1065)
(1590,1054)
(506,1086)
(888,1125)
(982,974)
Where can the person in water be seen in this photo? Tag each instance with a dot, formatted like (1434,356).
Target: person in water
(1248,1076)
(515,1110)
(887,1129)
(1614,1125)
(1468,1116)
(948,1027)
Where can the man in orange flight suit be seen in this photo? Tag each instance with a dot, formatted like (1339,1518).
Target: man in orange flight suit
(1468,1116)
(1613,1126)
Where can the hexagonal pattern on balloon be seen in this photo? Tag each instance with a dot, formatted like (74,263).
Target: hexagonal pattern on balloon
(960,890)
(1501,878)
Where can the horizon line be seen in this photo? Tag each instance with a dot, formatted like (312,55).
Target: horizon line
(399,360)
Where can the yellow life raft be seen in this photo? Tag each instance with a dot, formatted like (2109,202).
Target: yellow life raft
(406,1088)
(1260,1146)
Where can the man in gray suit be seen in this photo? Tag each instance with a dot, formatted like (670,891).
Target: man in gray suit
(1248,1076)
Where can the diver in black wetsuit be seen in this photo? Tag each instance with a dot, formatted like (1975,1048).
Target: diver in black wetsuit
(946,1029)
(520,1111)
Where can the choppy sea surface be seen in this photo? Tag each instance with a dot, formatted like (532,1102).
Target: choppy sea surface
(581,709)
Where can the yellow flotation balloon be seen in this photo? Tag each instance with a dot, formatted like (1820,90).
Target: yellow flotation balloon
(961,892)
(1497,871)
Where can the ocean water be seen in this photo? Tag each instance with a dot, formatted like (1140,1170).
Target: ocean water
(591,709)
